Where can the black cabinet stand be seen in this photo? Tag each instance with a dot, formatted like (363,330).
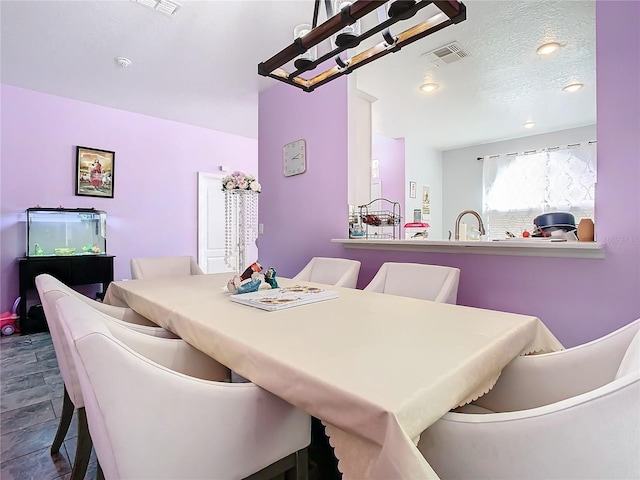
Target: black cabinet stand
(70,270)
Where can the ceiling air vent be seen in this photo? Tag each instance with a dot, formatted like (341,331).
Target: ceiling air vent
(166,7)
(447,54)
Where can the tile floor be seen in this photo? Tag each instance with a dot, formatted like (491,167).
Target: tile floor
(31,391)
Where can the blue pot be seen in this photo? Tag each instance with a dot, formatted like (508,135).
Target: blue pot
(551,221)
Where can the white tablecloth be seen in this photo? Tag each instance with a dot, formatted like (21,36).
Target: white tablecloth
(377,369)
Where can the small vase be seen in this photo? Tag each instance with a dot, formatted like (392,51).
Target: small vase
(585,230)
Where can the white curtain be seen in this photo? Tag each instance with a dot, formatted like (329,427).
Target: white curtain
(518,187)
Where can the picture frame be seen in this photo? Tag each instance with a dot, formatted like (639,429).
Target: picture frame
(413,186)
(94,172)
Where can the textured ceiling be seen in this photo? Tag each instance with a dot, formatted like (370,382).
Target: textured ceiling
(200,66)
(501,85)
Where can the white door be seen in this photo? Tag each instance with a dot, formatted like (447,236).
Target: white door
(376,189)
(211,223)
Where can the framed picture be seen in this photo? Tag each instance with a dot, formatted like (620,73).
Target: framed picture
(94,172)
(426,202)
(412,189)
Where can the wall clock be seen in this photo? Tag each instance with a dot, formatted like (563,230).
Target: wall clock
(294,158)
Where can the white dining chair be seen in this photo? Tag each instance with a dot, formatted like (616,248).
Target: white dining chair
(571,414)
(167,421)
(129,317)
(339,272)
(416,280)
(50,290)
(164,267)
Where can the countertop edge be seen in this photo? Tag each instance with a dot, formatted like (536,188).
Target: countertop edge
(591,250)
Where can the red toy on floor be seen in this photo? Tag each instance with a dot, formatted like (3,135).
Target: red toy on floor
(8,323)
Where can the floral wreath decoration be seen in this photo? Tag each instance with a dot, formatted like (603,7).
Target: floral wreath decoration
(241,181)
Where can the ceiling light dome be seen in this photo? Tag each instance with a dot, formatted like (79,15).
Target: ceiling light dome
(574,87)
(348,37)
(548,48)
(429,87)
(402,9)
(305,60)
(529,125)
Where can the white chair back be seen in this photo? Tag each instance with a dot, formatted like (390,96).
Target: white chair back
(550,416)
(163,267)
(148,420)
(551,377)
(631,361)
(74,327)
(339,272)
(50,291)
(427,282)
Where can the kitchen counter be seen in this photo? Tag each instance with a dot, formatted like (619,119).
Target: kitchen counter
(514,247)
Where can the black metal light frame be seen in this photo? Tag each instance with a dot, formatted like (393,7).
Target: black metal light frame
(454,10)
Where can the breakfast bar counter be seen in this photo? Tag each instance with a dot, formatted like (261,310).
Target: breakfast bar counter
(514,247)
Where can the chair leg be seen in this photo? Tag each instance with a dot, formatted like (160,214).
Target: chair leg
(301,469)
(65,421)
(83,447)
(99,473)
(294,466)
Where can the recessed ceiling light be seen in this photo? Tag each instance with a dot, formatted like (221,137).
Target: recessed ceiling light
(429,87)
(574,87)
(548,48)
(529,125)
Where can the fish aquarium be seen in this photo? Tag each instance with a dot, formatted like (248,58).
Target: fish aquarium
(66,231)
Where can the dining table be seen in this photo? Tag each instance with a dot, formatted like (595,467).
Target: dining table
(377,369)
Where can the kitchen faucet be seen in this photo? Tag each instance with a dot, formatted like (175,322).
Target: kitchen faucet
(475,214)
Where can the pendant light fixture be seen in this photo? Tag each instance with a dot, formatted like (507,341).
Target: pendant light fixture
(349,36)
(343,28)
(305,60)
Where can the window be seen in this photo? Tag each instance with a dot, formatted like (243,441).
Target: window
(519,187)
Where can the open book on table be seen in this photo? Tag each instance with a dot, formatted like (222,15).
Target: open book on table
(285,297)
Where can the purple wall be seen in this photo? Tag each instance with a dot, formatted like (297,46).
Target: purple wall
(301,214)
(390,151)
(154,209)
(578,299)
